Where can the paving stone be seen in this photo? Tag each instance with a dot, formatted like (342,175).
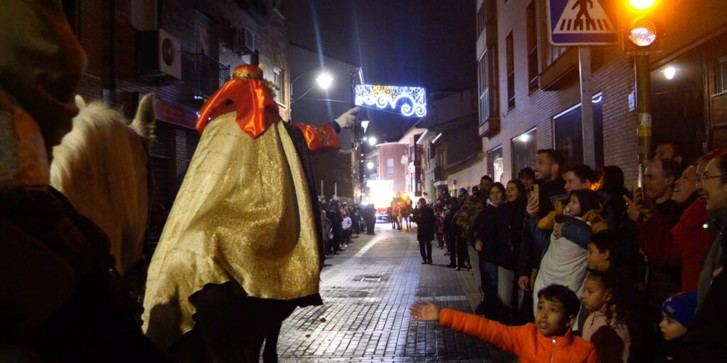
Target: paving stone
(367,291)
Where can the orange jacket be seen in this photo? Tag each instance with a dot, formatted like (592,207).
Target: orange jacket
(524,341)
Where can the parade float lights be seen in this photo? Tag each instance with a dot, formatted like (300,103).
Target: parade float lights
(410,101)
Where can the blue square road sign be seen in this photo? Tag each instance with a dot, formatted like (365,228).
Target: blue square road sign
(582,22)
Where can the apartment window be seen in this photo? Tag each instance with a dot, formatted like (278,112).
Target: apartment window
(523,151)
(481,18)
(720,84)
(279,81)
(495,166)
(486,68)
(484,80)
(569,132)
(532,47)
(510,73)
(389,167)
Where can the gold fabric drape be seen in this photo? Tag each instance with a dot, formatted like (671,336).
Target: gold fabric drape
(243,213)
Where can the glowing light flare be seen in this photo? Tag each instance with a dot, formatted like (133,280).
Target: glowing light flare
(524,138)
(411,101)
(642,5)
(669,72)
(370,165)
(643,32)
(324,80)
(372,141)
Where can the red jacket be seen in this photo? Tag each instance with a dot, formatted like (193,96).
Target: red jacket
(685,245)
(524,341)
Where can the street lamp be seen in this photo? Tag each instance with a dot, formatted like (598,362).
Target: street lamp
(372,141)
(324,81)
(370,165)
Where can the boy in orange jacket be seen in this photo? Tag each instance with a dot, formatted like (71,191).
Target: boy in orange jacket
(550,339)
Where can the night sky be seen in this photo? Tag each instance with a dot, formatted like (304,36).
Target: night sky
(425,43)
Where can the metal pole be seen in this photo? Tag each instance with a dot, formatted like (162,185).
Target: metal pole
(643,109)
(587,127)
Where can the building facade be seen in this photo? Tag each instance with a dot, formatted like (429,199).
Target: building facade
(391,165)
(529,96)
(451,149)
(181,50)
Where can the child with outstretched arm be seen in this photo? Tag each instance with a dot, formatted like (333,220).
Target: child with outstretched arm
(549,339)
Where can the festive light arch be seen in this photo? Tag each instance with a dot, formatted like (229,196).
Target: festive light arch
(413,100)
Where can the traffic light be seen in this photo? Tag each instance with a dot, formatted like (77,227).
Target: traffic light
(642,31)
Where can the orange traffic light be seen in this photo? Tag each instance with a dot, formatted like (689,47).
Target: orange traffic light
(642,32)
(641,5)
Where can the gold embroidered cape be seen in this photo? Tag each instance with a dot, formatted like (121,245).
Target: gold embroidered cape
(243,213)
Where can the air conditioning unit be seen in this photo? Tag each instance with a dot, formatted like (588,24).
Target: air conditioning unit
(160,55)
(243,41)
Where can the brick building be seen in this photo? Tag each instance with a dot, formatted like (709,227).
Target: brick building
(529,90)
(452,151)
(182,50)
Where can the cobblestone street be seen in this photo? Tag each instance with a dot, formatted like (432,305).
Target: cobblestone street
(367,291)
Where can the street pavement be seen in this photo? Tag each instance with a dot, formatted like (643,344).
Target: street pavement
(367,291)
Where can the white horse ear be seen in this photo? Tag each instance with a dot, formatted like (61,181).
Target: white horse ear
(145,119)
(80,102)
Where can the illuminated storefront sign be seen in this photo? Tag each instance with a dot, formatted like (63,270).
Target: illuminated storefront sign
(410,101)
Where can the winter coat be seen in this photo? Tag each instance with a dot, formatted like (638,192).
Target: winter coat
(59,290)
(705,340)
(524,341)
(663,281)
(617,345)
(564,263)
(485,230)
(467,215)
(509,224)
(424,218)
(686,245)
(535,241)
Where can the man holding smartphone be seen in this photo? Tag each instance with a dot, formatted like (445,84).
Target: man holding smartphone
(548,184)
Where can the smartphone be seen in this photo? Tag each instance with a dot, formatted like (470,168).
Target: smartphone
(534,192)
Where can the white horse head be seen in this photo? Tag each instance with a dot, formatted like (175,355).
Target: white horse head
(102,167)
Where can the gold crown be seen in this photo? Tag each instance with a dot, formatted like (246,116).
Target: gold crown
(247,71)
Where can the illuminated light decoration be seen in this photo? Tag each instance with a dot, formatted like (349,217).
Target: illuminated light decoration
(437,137)
(411,101)
(421,137)
(370,165)
(372,141)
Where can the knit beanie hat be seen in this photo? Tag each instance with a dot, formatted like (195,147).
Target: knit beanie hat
(681,307)
(588,200)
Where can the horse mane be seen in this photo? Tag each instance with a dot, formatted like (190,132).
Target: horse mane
(101,166)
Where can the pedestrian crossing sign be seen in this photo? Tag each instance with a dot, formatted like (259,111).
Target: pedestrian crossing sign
(582,22)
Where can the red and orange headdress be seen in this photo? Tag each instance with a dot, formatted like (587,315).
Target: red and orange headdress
(248,96)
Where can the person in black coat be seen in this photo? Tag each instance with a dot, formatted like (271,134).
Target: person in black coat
(509,225)
(424,218)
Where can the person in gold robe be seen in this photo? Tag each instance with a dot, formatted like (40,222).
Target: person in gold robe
(241,247)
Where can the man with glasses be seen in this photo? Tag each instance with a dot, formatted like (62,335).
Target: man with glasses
(704,342)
